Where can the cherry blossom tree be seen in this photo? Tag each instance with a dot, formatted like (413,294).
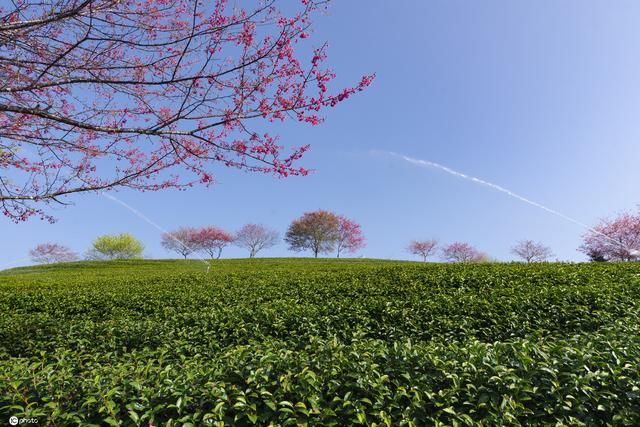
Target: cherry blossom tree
(256,237)
(462,252)
(423,248)
(98,95)
(184,241)
(317,231)
(616,239)
(531,251)
(47,253)
(350,237)
(212,240)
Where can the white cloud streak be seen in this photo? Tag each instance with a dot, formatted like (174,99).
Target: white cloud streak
(434,165)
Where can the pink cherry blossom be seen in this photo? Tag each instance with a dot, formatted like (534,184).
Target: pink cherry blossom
(150,97)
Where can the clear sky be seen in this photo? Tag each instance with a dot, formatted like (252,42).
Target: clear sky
(540,97)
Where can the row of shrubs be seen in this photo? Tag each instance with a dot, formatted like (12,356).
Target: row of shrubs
(368,343)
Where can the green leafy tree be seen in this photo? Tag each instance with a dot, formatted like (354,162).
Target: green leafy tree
(116,246)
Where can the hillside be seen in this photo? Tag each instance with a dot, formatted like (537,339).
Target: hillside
(320,342)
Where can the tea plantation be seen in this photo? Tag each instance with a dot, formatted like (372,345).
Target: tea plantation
(320,342)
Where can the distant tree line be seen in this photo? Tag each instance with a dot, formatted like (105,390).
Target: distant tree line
(322,232)
(526,250)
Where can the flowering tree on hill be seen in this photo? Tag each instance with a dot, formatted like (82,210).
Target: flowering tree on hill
(350,237)
(104,94)
(531,251)
(462,252)
(212,240)
(47,253)
(423,248)
(315,231)
(183,241)
(256,237)
(616,239)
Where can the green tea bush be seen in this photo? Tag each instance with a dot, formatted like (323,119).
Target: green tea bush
(321,342)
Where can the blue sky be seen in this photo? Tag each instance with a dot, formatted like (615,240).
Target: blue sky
(542,98)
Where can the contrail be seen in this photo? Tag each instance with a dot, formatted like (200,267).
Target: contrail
(430,164)
(148,221)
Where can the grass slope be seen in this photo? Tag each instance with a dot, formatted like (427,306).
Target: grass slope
(320,342)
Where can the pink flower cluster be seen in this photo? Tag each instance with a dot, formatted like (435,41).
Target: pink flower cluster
(151,97)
